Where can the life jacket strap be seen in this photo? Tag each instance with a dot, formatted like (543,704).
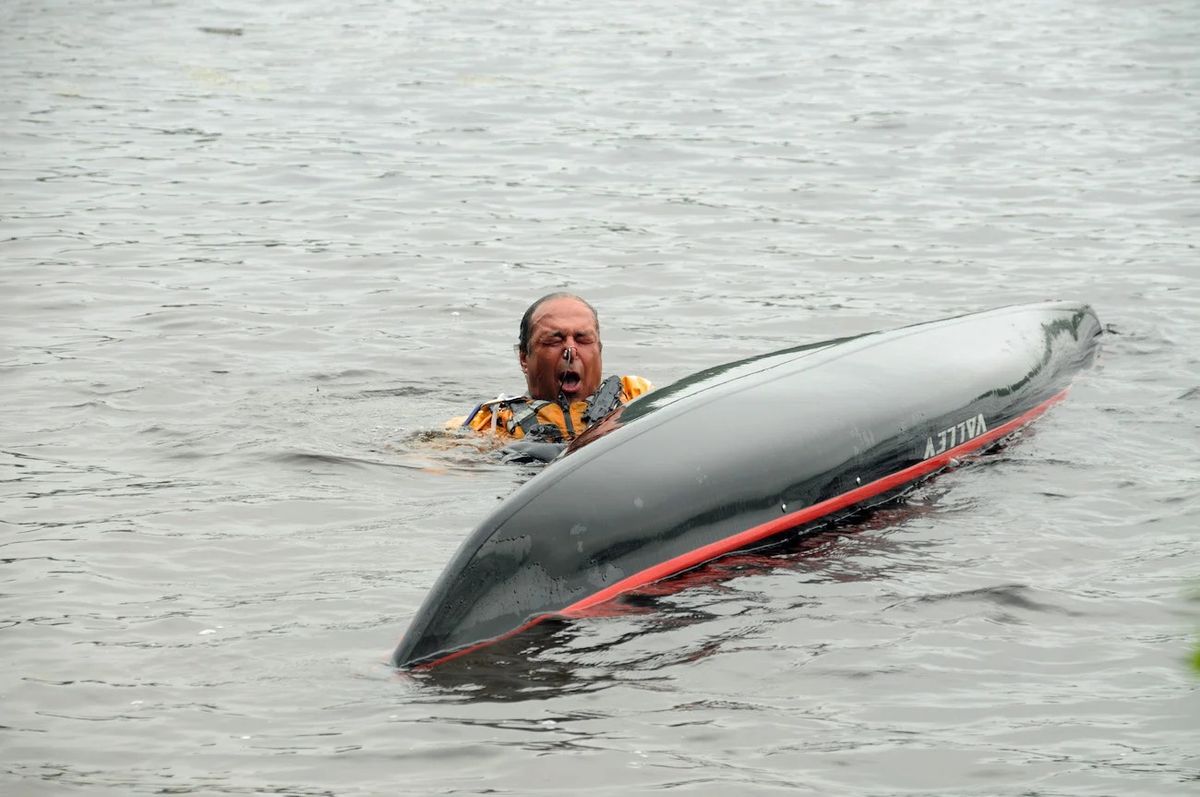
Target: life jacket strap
(525,416)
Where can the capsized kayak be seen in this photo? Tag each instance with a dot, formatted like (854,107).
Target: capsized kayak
(734,456)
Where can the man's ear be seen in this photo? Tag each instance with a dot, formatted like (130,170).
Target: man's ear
(521,359)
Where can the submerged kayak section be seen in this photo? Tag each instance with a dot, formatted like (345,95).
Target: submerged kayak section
(737,455)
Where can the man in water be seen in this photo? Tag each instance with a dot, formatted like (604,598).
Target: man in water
(560,354)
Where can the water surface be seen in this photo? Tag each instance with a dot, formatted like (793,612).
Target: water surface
(252,253)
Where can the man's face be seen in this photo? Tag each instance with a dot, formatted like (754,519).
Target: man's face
(556,326)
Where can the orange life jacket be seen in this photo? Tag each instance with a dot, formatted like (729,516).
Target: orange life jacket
(522,416)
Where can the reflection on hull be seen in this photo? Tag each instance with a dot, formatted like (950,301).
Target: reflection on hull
(733,457)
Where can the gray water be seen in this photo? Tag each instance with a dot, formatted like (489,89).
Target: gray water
(253,253)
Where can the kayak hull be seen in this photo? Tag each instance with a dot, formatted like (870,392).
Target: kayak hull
(737,455)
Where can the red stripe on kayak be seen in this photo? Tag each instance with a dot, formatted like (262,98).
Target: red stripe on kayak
(743,539)
(807,514)
(485,643)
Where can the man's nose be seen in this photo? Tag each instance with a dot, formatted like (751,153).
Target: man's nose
(569,354)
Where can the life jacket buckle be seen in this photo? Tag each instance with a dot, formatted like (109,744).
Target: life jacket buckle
(603,401)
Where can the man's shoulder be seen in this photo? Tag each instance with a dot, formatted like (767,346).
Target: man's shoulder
(634,386)
(486,414)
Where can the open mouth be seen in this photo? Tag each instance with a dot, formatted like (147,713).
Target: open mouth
(569,382)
